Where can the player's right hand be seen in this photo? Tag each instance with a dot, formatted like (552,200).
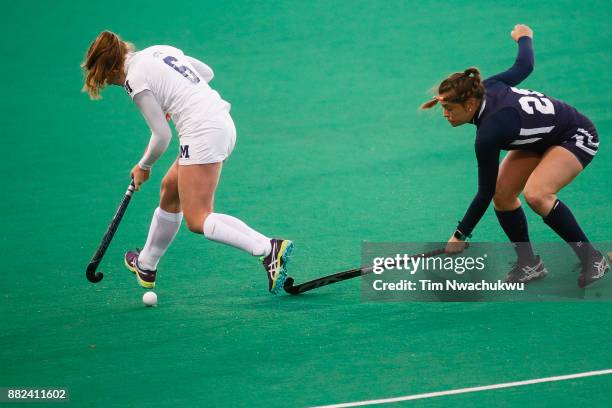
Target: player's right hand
(521,30)
(139,175)
(454,245)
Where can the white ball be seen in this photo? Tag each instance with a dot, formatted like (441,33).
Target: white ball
(149,298)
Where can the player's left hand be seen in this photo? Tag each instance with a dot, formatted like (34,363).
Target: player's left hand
(139,176)
(454,245)
(521,30)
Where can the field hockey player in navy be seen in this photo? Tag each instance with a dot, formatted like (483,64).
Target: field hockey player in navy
(549,144)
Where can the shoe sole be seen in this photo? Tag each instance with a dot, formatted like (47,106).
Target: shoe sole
(582,283)
(279,280)
(538,277)
(142,283)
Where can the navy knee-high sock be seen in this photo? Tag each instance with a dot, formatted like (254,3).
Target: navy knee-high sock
(563,222)
(514,224)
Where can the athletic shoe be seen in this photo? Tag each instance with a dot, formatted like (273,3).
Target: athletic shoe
(146,278)
(523,272)
(276,263)
(594,269)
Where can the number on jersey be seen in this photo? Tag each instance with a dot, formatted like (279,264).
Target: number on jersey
(181,69)
(539,101)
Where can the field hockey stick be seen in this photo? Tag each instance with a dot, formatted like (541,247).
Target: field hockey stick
(91,273)
(341,276)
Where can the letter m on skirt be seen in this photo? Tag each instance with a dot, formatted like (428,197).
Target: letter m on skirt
(184,152)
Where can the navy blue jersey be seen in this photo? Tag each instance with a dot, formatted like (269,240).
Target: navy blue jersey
(539,120)
(511,118)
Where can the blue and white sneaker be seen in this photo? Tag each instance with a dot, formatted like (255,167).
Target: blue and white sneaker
(594,269)
(523,272)
(275,263)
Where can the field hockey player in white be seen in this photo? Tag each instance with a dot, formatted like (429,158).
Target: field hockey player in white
(164,83)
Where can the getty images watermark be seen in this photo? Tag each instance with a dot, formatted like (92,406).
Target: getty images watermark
(457,265)
(421,272)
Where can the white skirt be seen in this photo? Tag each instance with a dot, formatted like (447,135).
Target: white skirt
(214,142)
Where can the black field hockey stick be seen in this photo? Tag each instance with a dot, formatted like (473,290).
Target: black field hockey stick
(91,273)
(341,276)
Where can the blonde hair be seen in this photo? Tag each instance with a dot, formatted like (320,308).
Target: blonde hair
(105,58)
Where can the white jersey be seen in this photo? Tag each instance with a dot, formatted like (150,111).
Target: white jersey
(181,91)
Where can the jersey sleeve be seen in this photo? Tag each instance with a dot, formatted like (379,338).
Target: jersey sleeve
(491,135)
(136,81)
(204,70)
(523,65)
(160,131)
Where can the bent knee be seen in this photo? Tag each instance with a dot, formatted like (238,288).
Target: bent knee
(195,222)
(539,198)
(168,195)
(169,186)
(505,200)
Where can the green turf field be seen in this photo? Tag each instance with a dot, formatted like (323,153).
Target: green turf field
(331,151)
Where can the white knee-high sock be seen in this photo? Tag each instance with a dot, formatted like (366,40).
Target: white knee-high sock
(164,227)
(235,233)
(241,226)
